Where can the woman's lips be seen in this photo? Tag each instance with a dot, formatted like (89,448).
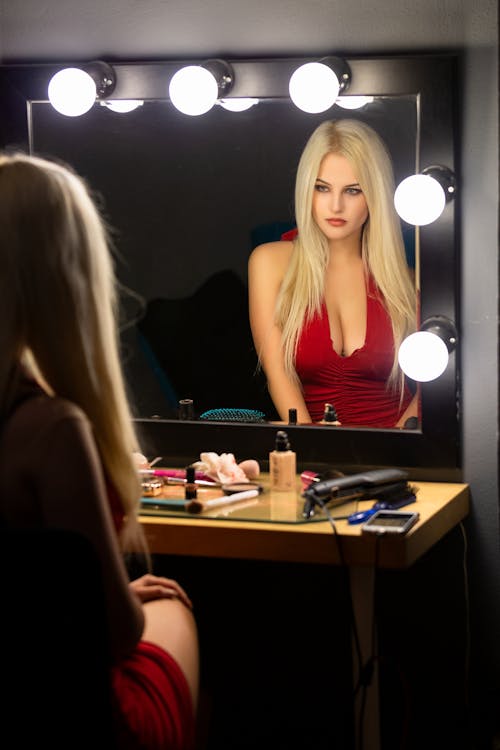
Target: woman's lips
(336,222)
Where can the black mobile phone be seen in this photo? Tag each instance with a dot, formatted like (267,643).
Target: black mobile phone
(390,522)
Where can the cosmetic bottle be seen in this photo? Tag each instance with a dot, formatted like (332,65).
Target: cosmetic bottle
(190,489)
(282,464)
(330,415)
(292,416)
(186,409)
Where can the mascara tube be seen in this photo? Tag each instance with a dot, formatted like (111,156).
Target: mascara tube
(190,489)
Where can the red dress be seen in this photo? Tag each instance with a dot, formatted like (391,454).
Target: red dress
(152,698)
(355,385)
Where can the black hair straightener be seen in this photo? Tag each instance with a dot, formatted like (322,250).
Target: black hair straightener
(367,484)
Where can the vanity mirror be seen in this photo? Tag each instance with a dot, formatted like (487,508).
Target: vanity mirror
(188,198)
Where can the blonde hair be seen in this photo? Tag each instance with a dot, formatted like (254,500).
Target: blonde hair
(58,307)
(382,247)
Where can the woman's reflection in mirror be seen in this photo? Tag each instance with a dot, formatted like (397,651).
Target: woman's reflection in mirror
(331,302)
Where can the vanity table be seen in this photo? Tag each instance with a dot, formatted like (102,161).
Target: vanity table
(273,530)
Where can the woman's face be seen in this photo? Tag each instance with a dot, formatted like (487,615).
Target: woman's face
(339,207)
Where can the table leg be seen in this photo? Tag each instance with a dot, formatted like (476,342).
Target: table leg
(367,728)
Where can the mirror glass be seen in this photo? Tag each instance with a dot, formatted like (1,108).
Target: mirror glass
(187,199)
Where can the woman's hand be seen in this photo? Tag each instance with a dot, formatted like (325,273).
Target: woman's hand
(149,587)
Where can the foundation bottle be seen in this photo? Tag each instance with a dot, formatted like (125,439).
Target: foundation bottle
(282,464)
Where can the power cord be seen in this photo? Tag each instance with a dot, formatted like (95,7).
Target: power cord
(366,673)
(365,669)
(343,564)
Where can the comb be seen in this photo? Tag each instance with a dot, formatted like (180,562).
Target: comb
(234,415)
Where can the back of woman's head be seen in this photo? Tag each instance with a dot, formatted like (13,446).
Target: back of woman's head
(58,302)
(56,288)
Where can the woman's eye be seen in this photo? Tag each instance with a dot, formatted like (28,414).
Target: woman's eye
(353,191)
(321,188)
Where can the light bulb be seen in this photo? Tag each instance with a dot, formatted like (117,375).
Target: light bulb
(353,102)
(122,105)
(72,92)
(419,199)
(314,87)
(193,90)
(238,104)
(423,356)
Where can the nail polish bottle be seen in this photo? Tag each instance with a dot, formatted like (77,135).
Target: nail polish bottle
(190,489)
(292,416)
(282,464)
(330,415)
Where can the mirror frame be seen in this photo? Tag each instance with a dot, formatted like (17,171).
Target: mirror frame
(433,452)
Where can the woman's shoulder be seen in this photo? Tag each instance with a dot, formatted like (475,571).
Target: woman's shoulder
(40,428)
(271,255)
(41,412)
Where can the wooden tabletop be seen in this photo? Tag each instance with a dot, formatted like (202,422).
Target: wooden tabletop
(441,507)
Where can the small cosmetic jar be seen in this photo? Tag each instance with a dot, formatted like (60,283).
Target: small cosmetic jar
(151,487)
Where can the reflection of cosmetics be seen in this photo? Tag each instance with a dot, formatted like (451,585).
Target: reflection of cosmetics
(292,416)
(236,507)
(200,482)
(197,506)
(330,415)
(308,477)
(282,464)
(231,489)
(176,475)
(151,486)
(190,489)
(186,408)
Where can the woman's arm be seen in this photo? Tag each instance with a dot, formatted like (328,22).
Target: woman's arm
(72,492)
(410,411)
(266,268)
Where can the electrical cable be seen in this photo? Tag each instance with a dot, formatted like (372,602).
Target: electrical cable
(354,628)
(365,670)
(369,666)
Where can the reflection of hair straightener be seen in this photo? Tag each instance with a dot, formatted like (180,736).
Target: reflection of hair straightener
(377,483)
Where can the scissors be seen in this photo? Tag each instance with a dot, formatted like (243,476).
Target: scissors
(362,515)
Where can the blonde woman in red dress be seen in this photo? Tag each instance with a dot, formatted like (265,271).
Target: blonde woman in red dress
(330,306)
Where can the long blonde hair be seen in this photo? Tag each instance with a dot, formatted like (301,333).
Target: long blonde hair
(382,246)
(58,307)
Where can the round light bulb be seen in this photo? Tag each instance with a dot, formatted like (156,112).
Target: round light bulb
(72,92)
(314,87)
(419,199)
(122,105)
(423,356)
(193,90)
(238,105)
(353,102)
